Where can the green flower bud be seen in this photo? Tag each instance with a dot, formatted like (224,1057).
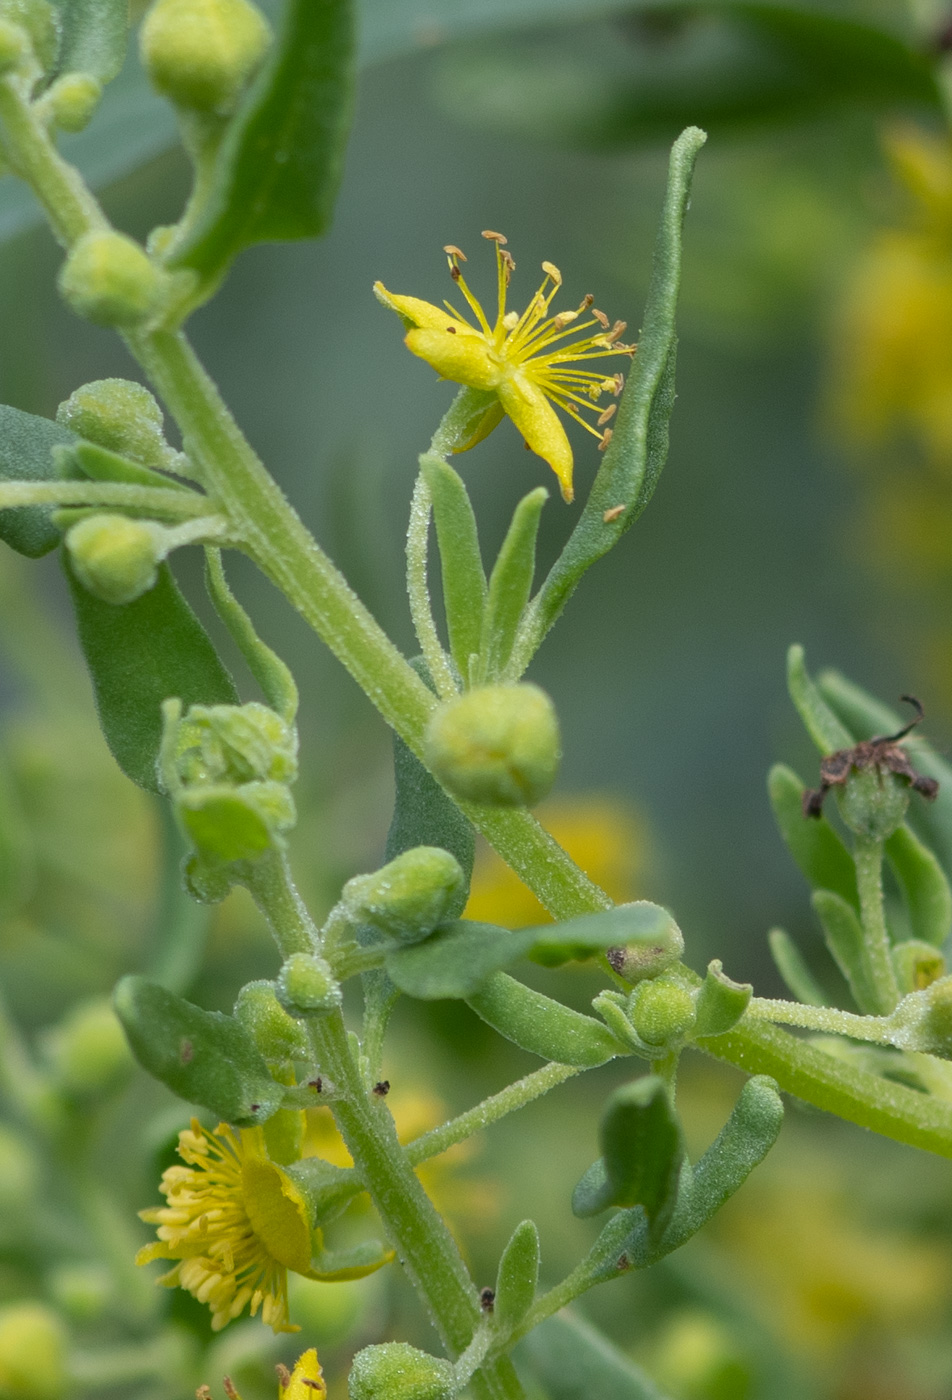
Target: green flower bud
(397,1371)
(118,414)
(235,823)
(73,99)
(923,1020)
(15,47)
(662,1011)
(307,986)
(115,558)
(207,881)
(498,745)
(109,279)
(277,1035)
(32,1353)
(235,744)
(873,803)
(201,53)
(88,1049)
(38,19)
(636,962)
(917,965)
(407,898)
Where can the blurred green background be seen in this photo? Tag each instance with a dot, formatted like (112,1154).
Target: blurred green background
(550,123)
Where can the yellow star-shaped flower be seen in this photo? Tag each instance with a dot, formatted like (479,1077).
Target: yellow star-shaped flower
(525,360)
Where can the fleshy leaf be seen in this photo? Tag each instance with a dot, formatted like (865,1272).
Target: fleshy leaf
(816,847)
(517,1277)
(456,960)
(92,37)
(543,1026)
(464,582)
(510,584)
(26,454)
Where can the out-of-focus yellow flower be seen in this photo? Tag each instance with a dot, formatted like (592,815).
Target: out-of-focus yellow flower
(894,340)
(601,834)
(305,1382)
(525,360)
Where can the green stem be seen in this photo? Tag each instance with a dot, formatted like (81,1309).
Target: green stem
(71,208)
(151,500)
(508,1100)
(418,592)
(868,855)
(878,1030)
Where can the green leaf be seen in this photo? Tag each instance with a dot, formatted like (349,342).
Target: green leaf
(647,930)
(280,162)
(822,725)
(574,1361)
(510,585)
(456,960)
(140,654)
(92,37)
(720,1002)
(517,1277)
(742,1144)
(275,679)
(924,886)
(461,565)
(633,461)
(203,1056)
(542,1026)
(847,944)
(814,844)
(792,968)
(642,1152)
(26,454)
(88,459)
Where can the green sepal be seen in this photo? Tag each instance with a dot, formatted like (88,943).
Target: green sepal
(89,460)
(632,464)
(789,962)
(510,585)
(26,454)
(277,1035)
(274,677)
(140,654)
(461,565)
(280,162)
(456,960)
(924,886)
(92,37)
(203,1056)
(720,1002)
(847,944)
(227,824)
(917,965)
(645,928)
(517,1277)
(327,1189)
(822,725)
(572,1359)
(341,1265)
(543,1026)
(423,815)
(818,850)
(642,1151)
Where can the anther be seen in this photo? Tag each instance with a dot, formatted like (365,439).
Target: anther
(564,318)
(601,318)
(615,332)
(455,252)
(455,273)
(552,271)
(608,413)
(605,439)
(511,320)
(499,238)
(284,1375)
(231,1390)
(586,301)
(204,1392)
(311,1383)
(508,262)
(608,517)
(619,384)
(382,1088)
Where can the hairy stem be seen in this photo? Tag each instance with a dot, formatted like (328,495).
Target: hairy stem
(868,855)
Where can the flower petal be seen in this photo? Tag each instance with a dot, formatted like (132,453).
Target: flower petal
(413,311)
(539,424)
(491,419)
(463,358)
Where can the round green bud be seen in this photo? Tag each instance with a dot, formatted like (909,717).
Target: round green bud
(14,46)
(236,744)
(115,558)
(397,1371)
(917,965)
(32,1353)
(88,1050)
(873,803)
(277,1035)
(662,1011)
(637,961)
(498,745)
(201,53)
(307,986)
(109,279)
(118,414)
(73,99)
(407,898)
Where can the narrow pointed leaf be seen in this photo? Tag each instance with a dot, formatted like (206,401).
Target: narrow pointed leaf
(510,584)
(279,165)
(790,964)
(924,886)
(574,1361)
(92,37)
(642,1152)
(140,654)
(464,582)
(517,1277)
(456,960)
(543,1026)
(203,1056)
(822,725)
(847,944)
(816,847)
(26,454)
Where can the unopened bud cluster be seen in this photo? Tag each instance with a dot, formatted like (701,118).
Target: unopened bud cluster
(109,279)
(201,53)
(408,898)
(120,415)
(668,1008)
(116,558)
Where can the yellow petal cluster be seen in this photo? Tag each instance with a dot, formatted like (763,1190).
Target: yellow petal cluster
(529,361)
